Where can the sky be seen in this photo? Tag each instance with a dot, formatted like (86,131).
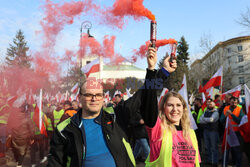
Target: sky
(188,18)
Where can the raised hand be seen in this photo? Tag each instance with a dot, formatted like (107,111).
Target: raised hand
(151,58)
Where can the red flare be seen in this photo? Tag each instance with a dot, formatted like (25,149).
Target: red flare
(141,52)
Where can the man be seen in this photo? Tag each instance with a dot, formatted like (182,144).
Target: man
(92,137)
(199,131)
(211,135)
(75,105)
(235,114)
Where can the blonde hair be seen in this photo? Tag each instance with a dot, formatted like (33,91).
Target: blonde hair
(166,124)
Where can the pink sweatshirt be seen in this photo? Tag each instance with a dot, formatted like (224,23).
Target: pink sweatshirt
(183,153)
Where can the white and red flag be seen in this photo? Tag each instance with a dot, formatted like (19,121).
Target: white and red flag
(74,88)
(229,139)
(92,67)
(106,97)
(216,80)
(37,117)
(204,102)
(163,93)
(184,94)
(244,125)
(235,92)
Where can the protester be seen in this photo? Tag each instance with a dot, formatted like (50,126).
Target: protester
(68,111)
(172,141)
(92,137)
(75,105)
(39,140)
(22,131)
(245,133)
(4,114)
(210,119)
(199,130)
(234,113)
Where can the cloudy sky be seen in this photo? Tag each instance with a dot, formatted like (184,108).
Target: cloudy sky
(188,18)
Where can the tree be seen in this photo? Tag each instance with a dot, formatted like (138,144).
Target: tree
(17,52)
(206,42)
(245,19)
(175,79)
(74,75)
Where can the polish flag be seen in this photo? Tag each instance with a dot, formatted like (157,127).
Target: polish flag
(216,80)
(19,101)
(11,100)
(204,102)
(229,139)
(235,92)
(92,67)
(184,94)
(163,93)
(74,89)
(210,92)
(199,87)
(106,97)
(37,117)
(244,125)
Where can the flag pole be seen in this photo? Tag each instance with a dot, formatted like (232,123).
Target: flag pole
(40,109)
(221,81)
(225,153)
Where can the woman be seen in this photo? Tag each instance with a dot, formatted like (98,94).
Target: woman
(172,141)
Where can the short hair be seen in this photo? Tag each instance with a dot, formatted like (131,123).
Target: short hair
(216,96)
(118,95)
(198,99)
(209,99)
(67,102)
(233,98)
(85,81)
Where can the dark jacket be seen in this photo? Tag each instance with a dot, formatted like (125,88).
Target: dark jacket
(68,144)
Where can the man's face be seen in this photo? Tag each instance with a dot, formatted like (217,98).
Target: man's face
(197,103)
(208,102)
(66,106)
(117,99)
(92,97)
(234,102)
(75,105)
(211,105)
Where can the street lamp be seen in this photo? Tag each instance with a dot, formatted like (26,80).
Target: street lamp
(86,25)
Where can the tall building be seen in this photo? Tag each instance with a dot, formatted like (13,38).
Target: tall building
(233,55)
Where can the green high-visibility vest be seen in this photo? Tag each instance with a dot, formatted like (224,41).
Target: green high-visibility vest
(49,127)
(5,116)
(57,116)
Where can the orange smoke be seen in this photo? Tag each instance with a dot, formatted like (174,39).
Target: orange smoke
(121,8)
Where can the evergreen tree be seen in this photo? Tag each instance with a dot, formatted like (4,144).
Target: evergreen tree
(175,80)
(17,52)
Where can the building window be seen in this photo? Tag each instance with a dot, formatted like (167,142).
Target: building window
(241,80)
(240,58)
(241,69)
(239,48)
(229,50)
(87,62)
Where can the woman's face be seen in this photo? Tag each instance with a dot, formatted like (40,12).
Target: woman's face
(173,110)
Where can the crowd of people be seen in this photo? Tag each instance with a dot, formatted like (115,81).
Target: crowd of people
(91,133)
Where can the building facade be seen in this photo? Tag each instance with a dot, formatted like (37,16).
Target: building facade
(233,55)
(114,71)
